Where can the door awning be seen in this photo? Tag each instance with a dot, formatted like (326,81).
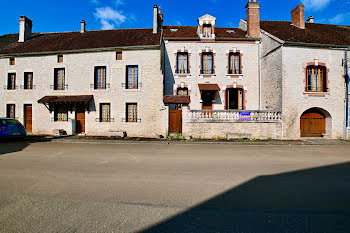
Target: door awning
(85,99)
(176,99)
(209,87)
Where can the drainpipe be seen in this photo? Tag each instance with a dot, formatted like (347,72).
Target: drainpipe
(259,73)
(346,122)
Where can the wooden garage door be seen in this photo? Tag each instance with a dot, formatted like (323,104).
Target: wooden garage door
(175,121)
(312,124)
(28,117)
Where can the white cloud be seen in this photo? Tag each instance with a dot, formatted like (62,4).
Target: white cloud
(95,1)
(119,2)
(340,18)
(315,5)
(106,25)
(109,17)
(178,23)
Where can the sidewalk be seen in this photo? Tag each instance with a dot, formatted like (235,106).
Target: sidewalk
(115,140)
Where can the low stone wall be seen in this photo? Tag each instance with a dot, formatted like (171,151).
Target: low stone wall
(232,130)
(211,124)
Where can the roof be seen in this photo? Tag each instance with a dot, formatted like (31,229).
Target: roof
(176,99)
(68,41)
(209,87)
(8,39)
(191,32)
(315,33)
(66,99)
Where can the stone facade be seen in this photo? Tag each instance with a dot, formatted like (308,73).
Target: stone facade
(79,75)
(249,78)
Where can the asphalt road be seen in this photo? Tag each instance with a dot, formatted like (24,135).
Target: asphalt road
(105,187)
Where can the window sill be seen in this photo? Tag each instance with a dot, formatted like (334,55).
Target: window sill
(316,94)
(178,75)
(234,75)
(207,75)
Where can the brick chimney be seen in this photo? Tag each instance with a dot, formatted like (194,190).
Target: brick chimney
(25,29)
(298,16)
(253,18)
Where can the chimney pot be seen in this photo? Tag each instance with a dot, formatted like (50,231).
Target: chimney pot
(310,19)
(82,26)
(253,19)
(25,29)
(298,16)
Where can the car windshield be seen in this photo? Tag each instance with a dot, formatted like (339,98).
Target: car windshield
(9,122)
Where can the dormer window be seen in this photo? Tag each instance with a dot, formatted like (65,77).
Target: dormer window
(206,31)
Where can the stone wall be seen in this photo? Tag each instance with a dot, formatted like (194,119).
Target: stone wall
(79,69)
(249,78)
(296,101)
(212,128)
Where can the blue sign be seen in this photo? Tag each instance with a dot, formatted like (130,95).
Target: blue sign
(244,116)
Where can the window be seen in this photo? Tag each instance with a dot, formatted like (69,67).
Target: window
(207,63)
(207,31)
(12,61)
(182,63)
(119,56)
(131,112)
(11,111)
(100,77)
(11,81)
(182,91)
(60,58)
(234,63)
(61,113)
(316,79)
(132,77)
(105,112)
(59,79)
(28,80)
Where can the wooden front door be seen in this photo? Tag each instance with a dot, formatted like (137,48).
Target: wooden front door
(312,124)
(80,120)
(28,119)
(175,121)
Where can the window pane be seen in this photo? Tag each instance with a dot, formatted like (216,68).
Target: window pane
(132,77)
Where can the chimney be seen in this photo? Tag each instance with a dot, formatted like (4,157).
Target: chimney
(298,16)
(82,26)
(310,19)
(155,19)
(253,19)
(160,19)
(25,29)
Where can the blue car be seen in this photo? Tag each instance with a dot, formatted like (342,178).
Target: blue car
(11,128)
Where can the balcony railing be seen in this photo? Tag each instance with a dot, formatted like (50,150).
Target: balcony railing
(233,116)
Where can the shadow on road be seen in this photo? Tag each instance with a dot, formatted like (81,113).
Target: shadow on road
(314,200)
(15,145)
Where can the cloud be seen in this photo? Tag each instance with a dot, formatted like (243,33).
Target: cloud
(95,1)
(340,18)
(109,18)
(178,23)
(315,5)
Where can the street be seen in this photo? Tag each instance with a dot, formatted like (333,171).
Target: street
(154,187)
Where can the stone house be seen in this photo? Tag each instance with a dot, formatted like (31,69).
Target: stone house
(86,82)
(263,79)
(303,74)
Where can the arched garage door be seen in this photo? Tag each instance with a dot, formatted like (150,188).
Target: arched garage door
(312,124)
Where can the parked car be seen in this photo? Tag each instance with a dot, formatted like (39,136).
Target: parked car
(11,128)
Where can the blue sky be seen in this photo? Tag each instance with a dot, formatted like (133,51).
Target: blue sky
(65,15)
